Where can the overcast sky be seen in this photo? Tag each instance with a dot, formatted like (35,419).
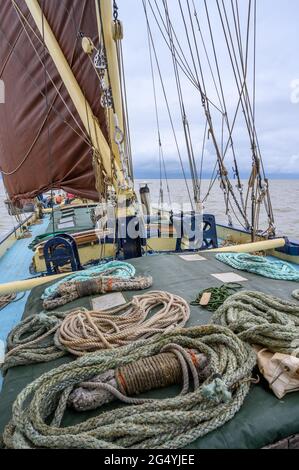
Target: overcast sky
(277,114)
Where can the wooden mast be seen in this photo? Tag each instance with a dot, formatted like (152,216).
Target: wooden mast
(82,106)
(105,27)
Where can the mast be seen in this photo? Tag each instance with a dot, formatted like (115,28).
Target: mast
(105,26)
(82,106)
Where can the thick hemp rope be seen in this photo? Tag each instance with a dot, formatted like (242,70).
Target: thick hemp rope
(73,290)
(295,294)
(85,331)
(262,266)
(171,423)
(32,341)
(218,295)
(6,300)
(113,268)
(262,319)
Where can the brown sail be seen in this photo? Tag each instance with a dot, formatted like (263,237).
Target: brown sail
(43,143)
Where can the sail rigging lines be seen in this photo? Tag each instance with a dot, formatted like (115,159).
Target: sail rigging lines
(162,164)
(163,87)
(185,122)
(238,39)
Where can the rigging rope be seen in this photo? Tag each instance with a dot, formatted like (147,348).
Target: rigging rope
(259,265)
(262,319)
(166,102)
(171,423)
(160,146)
(185,122)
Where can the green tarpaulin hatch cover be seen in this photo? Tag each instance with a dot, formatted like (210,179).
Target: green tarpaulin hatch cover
(262,420)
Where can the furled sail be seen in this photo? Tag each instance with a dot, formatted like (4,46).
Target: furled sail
(43,143)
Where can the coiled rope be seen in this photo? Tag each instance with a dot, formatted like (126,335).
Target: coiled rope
(113,268)
(72,290)
(262,266)
(32,341)
(48,336)
(85,331)
(295,294)
(6,300)
(169,424)
(262,319)
(172,366)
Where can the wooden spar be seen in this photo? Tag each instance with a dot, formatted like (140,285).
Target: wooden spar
(250,247)
(20,286)
(83,108)
(28,284)
(104,11)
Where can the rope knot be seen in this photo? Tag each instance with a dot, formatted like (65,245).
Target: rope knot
(217,391)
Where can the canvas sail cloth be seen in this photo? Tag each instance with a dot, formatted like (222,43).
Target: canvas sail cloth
(30,166)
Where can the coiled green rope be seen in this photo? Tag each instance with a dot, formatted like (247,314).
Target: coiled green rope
(168,424)
(262,319)
(218,295)
(32,341)
(259,265)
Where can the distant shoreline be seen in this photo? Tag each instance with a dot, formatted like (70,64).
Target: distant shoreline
(207,178)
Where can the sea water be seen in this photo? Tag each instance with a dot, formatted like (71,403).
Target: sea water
(284,195)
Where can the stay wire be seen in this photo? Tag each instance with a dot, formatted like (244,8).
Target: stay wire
(166,102)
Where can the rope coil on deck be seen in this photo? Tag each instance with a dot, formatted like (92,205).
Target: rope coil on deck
(72,290)
(48,336)
(262,319)
(168,424)
(85,331)
(295,294)
(7,299)
(172,366)
(32,341)
(113,268)
(262,266)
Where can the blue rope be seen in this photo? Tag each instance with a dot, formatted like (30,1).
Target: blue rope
(259,265)
(119,268)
